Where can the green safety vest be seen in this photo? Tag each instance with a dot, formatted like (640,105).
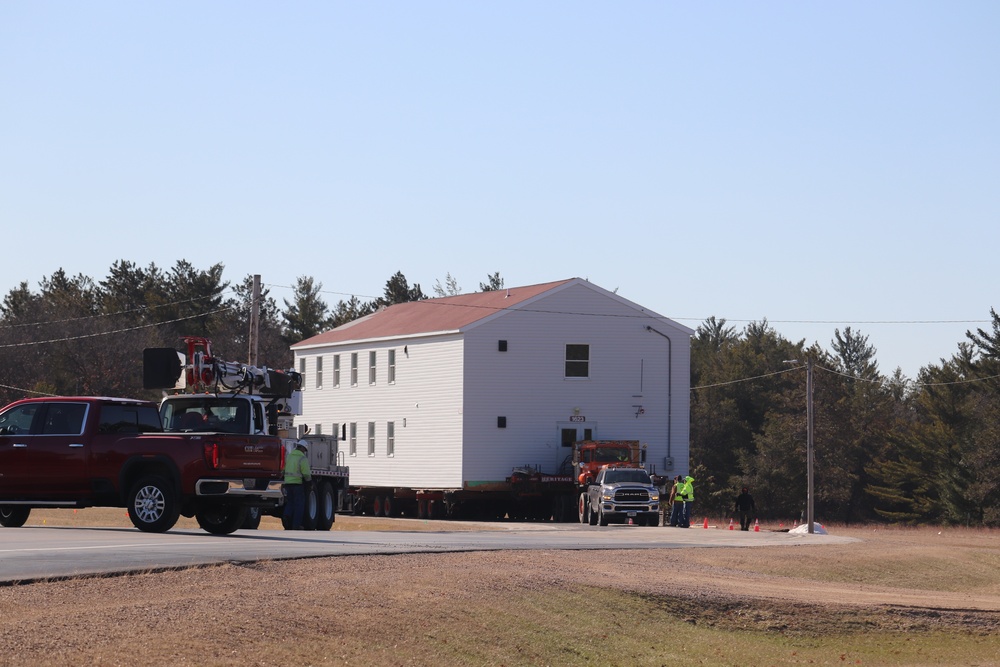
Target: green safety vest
(297,468)
(688,489)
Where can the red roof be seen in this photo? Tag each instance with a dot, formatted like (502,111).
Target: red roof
(449,313)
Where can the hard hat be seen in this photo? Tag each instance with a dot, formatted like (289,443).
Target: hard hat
(302,444)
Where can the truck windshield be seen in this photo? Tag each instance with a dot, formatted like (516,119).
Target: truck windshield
(627,475)
(206,414)
(610,454)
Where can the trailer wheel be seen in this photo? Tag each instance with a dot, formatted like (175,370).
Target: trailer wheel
(387,508)
(326,507)
(421,508)
(13,516)
(152,504)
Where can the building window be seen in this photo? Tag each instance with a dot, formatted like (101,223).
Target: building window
(354,369)
(302,371)
(392,366)
(390,439)
(371,367)
(371,438)
(354,439)
(319,372)
(577,361)
(336,433)
(336,370)
(318,430)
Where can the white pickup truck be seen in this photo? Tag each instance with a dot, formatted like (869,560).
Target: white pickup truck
(622,493)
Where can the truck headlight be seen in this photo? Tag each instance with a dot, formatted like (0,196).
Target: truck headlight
(654,496)
(606,496)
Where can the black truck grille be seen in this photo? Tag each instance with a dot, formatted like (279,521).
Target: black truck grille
(631,496)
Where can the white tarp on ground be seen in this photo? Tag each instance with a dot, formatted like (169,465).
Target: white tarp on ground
(818,529)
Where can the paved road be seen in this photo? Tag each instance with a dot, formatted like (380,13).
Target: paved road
(39,552)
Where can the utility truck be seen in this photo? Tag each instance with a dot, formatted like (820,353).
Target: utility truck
(257,404)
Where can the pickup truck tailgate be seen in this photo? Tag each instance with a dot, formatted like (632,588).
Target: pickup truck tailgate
(239,453)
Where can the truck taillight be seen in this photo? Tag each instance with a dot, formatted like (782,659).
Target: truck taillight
(283,455)
(212,455)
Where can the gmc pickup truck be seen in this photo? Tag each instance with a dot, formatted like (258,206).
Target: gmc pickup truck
(112,452)
(622,493)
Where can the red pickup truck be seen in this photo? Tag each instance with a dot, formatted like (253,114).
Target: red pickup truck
(112,452)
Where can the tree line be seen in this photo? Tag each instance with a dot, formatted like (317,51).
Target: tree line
(886,448)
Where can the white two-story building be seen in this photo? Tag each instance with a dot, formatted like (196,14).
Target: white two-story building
(456,391)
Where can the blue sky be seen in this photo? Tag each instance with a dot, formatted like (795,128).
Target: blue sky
(821,165)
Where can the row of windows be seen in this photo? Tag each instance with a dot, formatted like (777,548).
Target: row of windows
(351,432)
(577,365)
(372,368)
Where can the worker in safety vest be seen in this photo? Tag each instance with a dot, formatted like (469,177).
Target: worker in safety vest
(298,478)
(676,503)
(687,491)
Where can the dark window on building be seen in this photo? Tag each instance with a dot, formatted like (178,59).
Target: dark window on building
(501,422)
(502,345)
(577,361)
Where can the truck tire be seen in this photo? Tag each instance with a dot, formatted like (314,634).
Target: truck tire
(583,507)
(601,519)
(326,507)
(152,504)
(221,519)
(252,522)
(309,519)
(593,514)
(13,516)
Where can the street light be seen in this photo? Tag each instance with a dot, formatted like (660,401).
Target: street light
(809,440)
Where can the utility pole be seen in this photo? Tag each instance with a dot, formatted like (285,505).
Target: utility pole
(809,441)
(809,444)
(254,338)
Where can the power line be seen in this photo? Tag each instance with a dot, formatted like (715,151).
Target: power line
(120,312)
(116,331)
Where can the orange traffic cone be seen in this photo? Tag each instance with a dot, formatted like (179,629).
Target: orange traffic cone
(756,526)
(731,523)
(706,523)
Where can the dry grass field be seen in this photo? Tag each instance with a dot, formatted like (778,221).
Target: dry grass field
(896,597)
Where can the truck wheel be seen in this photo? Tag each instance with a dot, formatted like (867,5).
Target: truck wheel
(252,522)
(377,506)
(387,506)
(601,519)
(327,508)
(583,508)
(593,514)
(312,509)
(13,516)
(152,505)
(221,519)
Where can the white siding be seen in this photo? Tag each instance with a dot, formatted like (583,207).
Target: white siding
(527,383)
(425,403)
